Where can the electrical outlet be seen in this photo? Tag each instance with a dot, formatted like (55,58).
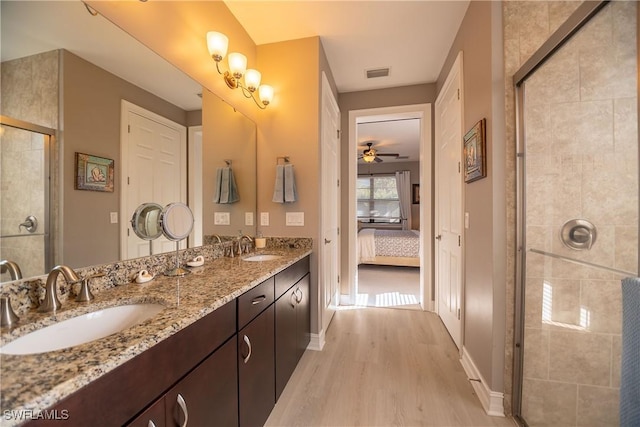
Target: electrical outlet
(264,218)
(295,219)
(248,218)
(113,217)
(221,218)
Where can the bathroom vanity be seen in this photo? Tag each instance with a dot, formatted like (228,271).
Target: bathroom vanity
(219,354)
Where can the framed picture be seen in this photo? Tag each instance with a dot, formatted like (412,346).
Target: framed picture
(415,193)
(94,173)
(475,158)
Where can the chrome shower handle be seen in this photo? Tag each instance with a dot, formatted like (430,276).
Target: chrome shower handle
(30,224)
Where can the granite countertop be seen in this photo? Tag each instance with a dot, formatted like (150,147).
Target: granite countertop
(36,382)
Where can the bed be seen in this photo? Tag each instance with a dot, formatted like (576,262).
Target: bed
(389,247)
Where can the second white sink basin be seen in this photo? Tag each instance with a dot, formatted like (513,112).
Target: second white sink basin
(262,257)
(82,329)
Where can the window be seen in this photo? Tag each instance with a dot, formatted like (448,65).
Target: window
(378,199)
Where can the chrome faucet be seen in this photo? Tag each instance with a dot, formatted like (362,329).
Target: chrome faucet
(216,236)
(51,301)
(245,248)
(12,268)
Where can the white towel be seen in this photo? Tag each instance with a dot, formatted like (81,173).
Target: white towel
(278,188)
(290,192)
(366,245)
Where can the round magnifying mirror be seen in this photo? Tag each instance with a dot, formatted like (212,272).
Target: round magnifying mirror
(176,220)
(146,221)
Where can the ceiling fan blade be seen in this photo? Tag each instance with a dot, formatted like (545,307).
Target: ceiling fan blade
(378,159)
(388,154)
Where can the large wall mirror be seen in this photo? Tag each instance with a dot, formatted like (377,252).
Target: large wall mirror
(69,87)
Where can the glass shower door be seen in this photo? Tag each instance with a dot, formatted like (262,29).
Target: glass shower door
(580,221)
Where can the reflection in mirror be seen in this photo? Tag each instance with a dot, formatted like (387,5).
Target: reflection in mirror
(146,223)
(61,74)
(176,220)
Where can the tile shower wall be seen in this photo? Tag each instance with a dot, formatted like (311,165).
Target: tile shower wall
(581,162)
(29,93)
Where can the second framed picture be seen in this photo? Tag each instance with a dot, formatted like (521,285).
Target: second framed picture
(475,158)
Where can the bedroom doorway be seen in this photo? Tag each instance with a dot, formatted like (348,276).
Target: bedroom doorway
(390,207)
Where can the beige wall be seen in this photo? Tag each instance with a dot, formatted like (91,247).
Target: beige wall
(291,127)
(91,100)
(483,286)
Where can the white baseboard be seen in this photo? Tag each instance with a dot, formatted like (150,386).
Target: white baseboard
(491,401)
(317,341)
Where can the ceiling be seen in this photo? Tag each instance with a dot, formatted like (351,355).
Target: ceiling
(412,38)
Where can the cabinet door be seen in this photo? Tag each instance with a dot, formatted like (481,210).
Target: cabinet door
(286,338)
(256,369)
(209,394)
(303,316)
(152,417)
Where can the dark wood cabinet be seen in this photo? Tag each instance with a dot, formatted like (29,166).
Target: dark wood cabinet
(208,395)
(153,416)
(293,326)
(256,376)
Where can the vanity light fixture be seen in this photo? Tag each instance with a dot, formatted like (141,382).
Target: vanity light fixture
(218,44)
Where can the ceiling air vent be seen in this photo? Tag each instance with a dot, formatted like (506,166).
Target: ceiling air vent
(378,72)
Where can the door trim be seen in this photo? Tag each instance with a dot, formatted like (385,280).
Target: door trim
(127,107)
(422,111)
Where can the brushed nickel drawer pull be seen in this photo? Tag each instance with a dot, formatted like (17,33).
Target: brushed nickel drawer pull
(258,300)
(151,424)
(183,405)
(246,340)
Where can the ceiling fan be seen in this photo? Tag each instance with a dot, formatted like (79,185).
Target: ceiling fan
(370,154)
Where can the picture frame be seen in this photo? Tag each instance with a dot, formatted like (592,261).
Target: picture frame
(94,173)
(415,193)
(475,157)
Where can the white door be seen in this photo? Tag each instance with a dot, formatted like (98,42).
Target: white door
(330,165)
(449,203)
(154,160)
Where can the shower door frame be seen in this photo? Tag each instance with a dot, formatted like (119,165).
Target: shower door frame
(48,144)
(573,24)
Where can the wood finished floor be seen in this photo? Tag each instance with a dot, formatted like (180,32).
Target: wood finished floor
(388,286)
(382,367)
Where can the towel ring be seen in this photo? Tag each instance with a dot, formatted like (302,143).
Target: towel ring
(285,160)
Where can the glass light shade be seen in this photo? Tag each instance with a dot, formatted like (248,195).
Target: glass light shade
(218,44)
(266,94)
(252,79)
(237,64)
(368,158)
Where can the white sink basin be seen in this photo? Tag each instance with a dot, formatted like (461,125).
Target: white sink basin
(82,329)
(263,257)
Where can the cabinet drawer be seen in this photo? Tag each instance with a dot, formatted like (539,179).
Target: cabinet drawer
(287,278)
(254,301)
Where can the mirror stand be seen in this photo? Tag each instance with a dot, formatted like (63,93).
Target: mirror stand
(177,270)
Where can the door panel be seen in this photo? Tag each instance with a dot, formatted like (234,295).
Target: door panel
(449,203)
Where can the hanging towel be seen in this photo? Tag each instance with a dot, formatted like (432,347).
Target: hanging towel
(290,192)
(226,189)
(278,188)
(630,369)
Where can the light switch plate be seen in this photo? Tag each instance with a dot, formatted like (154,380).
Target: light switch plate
(295,219)
(248,218)
(221,218)
(113,217)
(264,218)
